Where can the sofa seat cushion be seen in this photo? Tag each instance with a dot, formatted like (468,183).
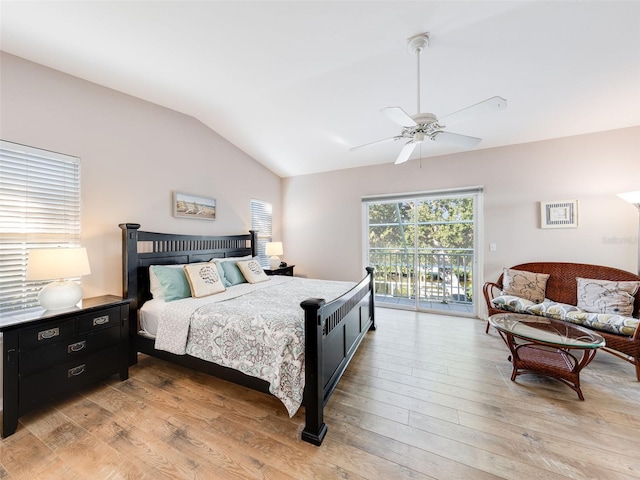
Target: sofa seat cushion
(512,303)
(551,309)
(605,322)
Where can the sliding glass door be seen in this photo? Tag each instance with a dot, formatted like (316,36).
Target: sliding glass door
(424,249)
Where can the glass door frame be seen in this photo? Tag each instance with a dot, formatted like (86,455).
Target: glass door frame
(476,258)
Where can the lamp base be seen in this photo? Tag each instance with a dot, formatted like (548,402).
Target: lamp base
(274,262)
(60,294)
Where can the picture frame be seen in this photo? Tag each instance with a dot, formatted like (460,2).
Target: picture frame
(559,214)
(186,205)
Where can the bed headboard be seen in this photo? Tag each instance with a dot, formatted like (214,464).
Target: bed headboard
(141,249)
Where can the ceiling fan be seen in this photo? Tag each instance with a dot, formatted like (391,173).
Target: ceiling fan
(423,126)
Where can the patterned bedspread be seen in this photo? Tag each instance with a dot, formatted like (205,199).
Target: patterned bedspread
(257,329)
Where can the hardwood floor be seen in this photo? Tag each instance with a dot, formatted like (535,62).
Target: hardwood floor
(427,396)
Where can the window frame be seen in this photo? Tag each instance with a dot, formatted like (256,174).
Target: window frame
(39,208)
(262,222)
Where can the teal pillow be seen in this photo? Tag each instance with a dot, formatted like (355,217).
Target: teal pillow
(173,281)
(225,282)
(232,273)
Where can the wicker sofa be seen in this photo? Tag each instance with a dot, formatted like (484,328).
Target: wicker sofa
(561,287)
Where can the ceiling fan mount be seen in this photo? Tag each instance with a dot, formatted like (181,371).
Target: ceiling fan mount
(427,125)
(417,43)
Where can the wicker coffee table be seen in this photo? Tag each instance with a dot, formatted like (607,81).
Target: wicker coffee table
(548,347)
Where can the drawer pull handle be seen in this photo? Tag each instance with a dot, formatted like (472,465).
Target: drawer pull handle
(75,371)
(76,347)
(101,320)
(46,334)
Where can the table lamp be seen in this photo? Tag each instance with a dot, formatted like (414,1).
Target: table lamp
(273,249)
(634,198)
(61,264)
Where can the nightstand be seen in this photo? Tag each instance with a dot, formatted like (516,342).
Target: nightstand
(51,354)
(286,271)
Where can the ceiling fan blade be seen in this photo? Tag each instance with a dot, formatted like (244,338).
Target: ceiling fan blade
(399,116)
(455,139)
(492,104)
(406,152)
(378,142)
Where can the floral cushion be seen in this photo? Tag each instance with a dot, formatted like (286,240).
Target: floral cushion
(606,322)
(524,284)
(512,303)
(602,296)
(551,309)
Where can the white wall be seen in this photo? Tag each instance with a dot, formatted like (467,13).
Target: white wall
(323,229)
(133,155)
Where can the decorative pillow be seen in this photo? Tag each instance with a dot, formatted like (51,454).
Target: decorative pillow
(232,273)
(252,271)
(524,284)
(204,279)
(512,303)
(551,309)
(173,282)
(605,322)
(603,296)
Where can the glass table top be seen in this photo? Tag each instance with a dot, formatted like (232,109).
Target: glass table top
(546,330)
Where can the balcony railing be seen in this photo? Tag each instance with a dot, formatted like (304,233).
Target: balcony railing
(433,275)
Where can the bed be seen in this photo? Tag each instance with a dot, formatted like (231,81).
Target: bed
(333,330)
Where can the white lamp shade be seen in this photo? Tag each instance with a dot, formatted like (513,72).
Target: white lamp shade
(55,263)
(631,197)
(273,248)
(58,263)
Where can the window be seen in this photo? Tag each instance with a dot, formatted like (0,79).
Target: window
(39,207)
(261,222)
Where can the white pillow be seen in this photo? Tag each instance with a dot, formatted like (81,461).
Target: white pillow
(252,271)
(232,259)
(204,279)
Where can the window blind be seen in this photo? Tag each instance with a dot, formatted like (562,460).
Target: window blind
(261,222)
(39,207)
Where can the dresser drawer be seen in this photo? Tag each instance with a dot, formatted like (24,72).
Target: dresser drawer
(90,322)
(45,334)
(42,387)
(60,352)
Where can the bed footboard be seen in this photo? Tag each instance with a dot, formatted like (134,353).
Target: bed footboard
(333,332)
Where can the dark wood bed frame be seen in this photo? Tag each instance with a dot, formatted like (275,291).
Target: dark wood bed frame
(333,330)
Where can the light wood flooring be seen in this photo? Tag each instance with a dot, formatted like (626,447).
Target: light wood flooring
(427,396)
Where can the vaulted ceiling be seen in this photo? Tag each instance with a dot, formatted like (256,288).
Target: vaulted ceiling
(296,84)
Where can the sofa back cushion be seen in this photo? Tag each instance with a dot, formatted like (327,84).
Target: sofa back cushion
(562,284)
(605,296)
(529,285)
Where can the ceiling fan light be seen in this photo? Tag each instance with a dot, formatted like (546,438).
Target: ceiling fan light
(418,137)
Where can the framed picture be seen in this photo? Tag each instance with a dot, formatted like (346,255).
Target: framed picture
(193,206)
(559,214)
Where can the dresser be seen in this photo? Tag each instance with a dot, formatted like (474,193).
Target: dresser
(48,355)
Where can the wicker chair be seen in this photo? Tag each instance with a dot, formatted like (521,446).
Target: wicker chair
(562,287)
